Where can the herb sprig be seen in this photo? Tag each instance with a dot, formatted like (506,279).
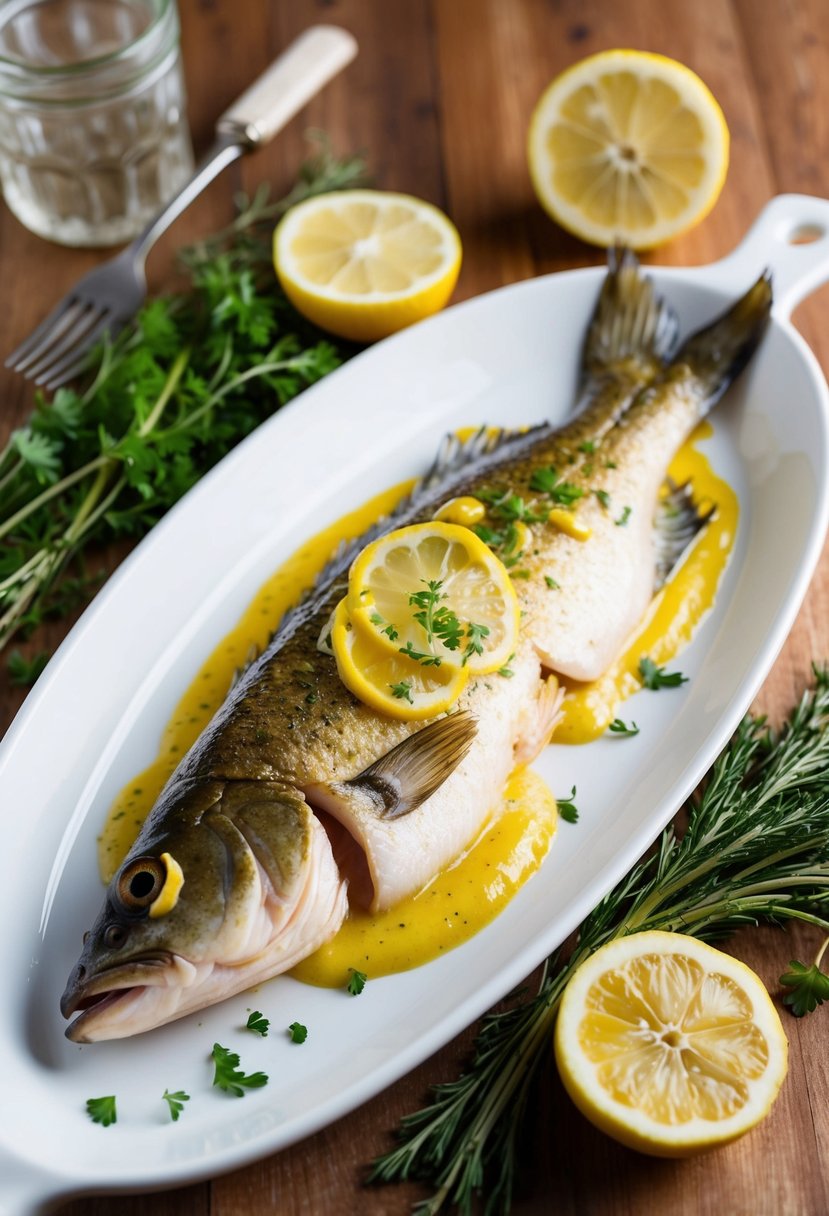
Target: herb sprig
(756,850)
(229,1076)
(192,375)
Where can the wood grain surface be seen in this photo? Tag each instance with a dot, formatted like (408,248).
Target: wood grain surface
(439,100)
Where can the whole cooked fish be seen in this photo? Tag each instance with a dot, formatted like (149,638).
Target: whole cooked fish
(297,792)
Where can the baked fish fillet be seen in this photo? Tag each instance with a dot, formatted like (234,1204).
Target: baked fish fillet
(297,792)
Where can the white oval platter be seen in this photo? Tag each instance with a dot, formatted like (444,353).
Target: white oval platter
(95,718)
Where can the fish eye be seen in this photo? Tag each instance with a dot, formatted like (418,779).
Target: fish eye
(115,936)
(140,883)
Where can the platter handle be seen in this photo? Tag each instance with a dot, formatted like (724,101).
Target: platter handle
(791,237)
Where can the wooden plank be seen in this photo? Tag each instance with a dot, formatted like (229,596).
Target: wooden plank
(440,98)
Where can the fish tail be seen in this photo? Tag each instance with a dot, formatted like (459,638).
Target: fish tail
(717,354)
(630,320)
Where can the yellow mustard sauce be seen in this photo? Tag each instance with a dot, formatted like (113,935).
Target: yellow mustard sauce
(512,846)
(676,610)
(456,905)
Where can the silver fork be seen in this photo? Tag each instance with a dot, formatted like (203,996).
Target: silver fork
(108,296)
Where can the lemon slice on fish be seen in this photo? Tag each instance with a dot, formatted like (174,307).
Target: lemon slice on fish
(669,1045)
(437,591)
(366,263)
(389,682)
(627,146)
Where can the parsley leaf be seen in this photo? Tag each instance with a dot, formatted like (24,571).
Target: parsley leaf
(229,1077)
(475,637)
(551,583)
(809,987)
(102,1110)
(618,727)
(175,1102)
(588,447)
(357,981)
(298,1032)
(258,1023)
(603,497)
(403,691)
(657,677)
(621,522)
(24,671)
(567,808)
(506,671)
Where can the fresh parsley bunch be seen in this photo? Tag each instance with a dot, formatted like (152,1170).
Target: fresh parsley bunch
(190,377)
(755,850)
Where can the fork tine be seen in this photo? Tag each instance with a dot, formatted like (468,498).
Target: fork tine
(74,360)
(41,337)
(65,344)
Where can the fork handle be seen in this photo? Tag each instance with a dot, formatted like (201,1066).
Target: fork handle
(281,91)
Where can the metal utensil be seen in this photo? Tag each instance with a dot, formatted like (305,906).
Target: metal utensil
(108,296)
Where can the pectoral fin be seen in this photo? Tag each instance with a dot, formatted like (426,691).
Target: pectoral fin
(411,772)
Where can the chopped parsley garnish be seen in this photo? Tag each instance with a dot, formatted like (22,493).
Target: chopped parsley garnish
(567,808)
(475,635)
(102,1110)
(420,656)
(588,447)
(228,1075)
(506,671)
(618,727)
(551,583)
(546,481)
(809,987)
(175,1102)
(610,464)
(657,677)
(624,517)
(357,981)
(603,497)
(257,1023)
(298,1032)
(384,626)
(403,691)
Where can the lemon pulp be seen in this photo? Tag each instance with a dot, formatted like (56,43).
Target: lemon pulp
(366,263)
(626,146)
(669,1045)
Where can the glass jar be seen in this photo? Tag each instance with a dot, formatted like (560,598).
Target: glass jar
(93,130)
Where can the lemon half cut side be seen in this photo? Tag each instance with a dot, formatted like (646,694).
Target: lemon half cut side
(364,264)
(669,1045)
(628,147)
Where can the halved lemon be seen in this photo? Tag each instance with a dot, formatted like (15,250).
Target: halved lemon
(390,682)
(438,590)
(629,147)
(669,1045)
(365,263)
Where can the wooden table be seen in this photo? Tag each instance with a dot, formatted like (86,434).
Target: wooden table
(439,99)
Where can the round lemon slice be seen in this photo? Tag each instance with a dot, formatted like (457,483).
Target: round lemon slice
(669,1045)
(364,263)
(390,682)
(629,147)
(436,590)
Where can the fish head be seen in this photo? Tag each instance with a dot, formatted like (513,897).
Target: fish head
(203,906)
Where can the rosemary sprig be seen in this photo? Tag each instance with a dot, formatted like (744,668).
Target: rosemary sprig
(756,850)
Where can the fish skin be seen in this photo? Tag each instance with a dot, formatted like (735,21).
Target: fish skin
(262,882)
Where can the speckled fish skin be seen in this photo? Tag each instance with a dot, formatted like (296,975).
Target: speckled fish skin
(263,813)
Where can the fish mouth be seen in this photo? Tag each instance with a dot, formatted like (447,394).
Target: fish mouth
(106,997)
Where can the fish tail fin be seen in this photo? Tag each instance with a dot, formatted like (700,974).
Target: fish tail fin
(630,320)
(718,353)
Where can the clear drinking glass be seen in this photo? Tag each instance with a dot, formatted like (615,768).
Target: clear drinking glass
(93,129)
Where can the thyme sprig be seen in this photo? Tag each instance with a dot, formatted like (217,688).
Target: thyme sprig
(755,850)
